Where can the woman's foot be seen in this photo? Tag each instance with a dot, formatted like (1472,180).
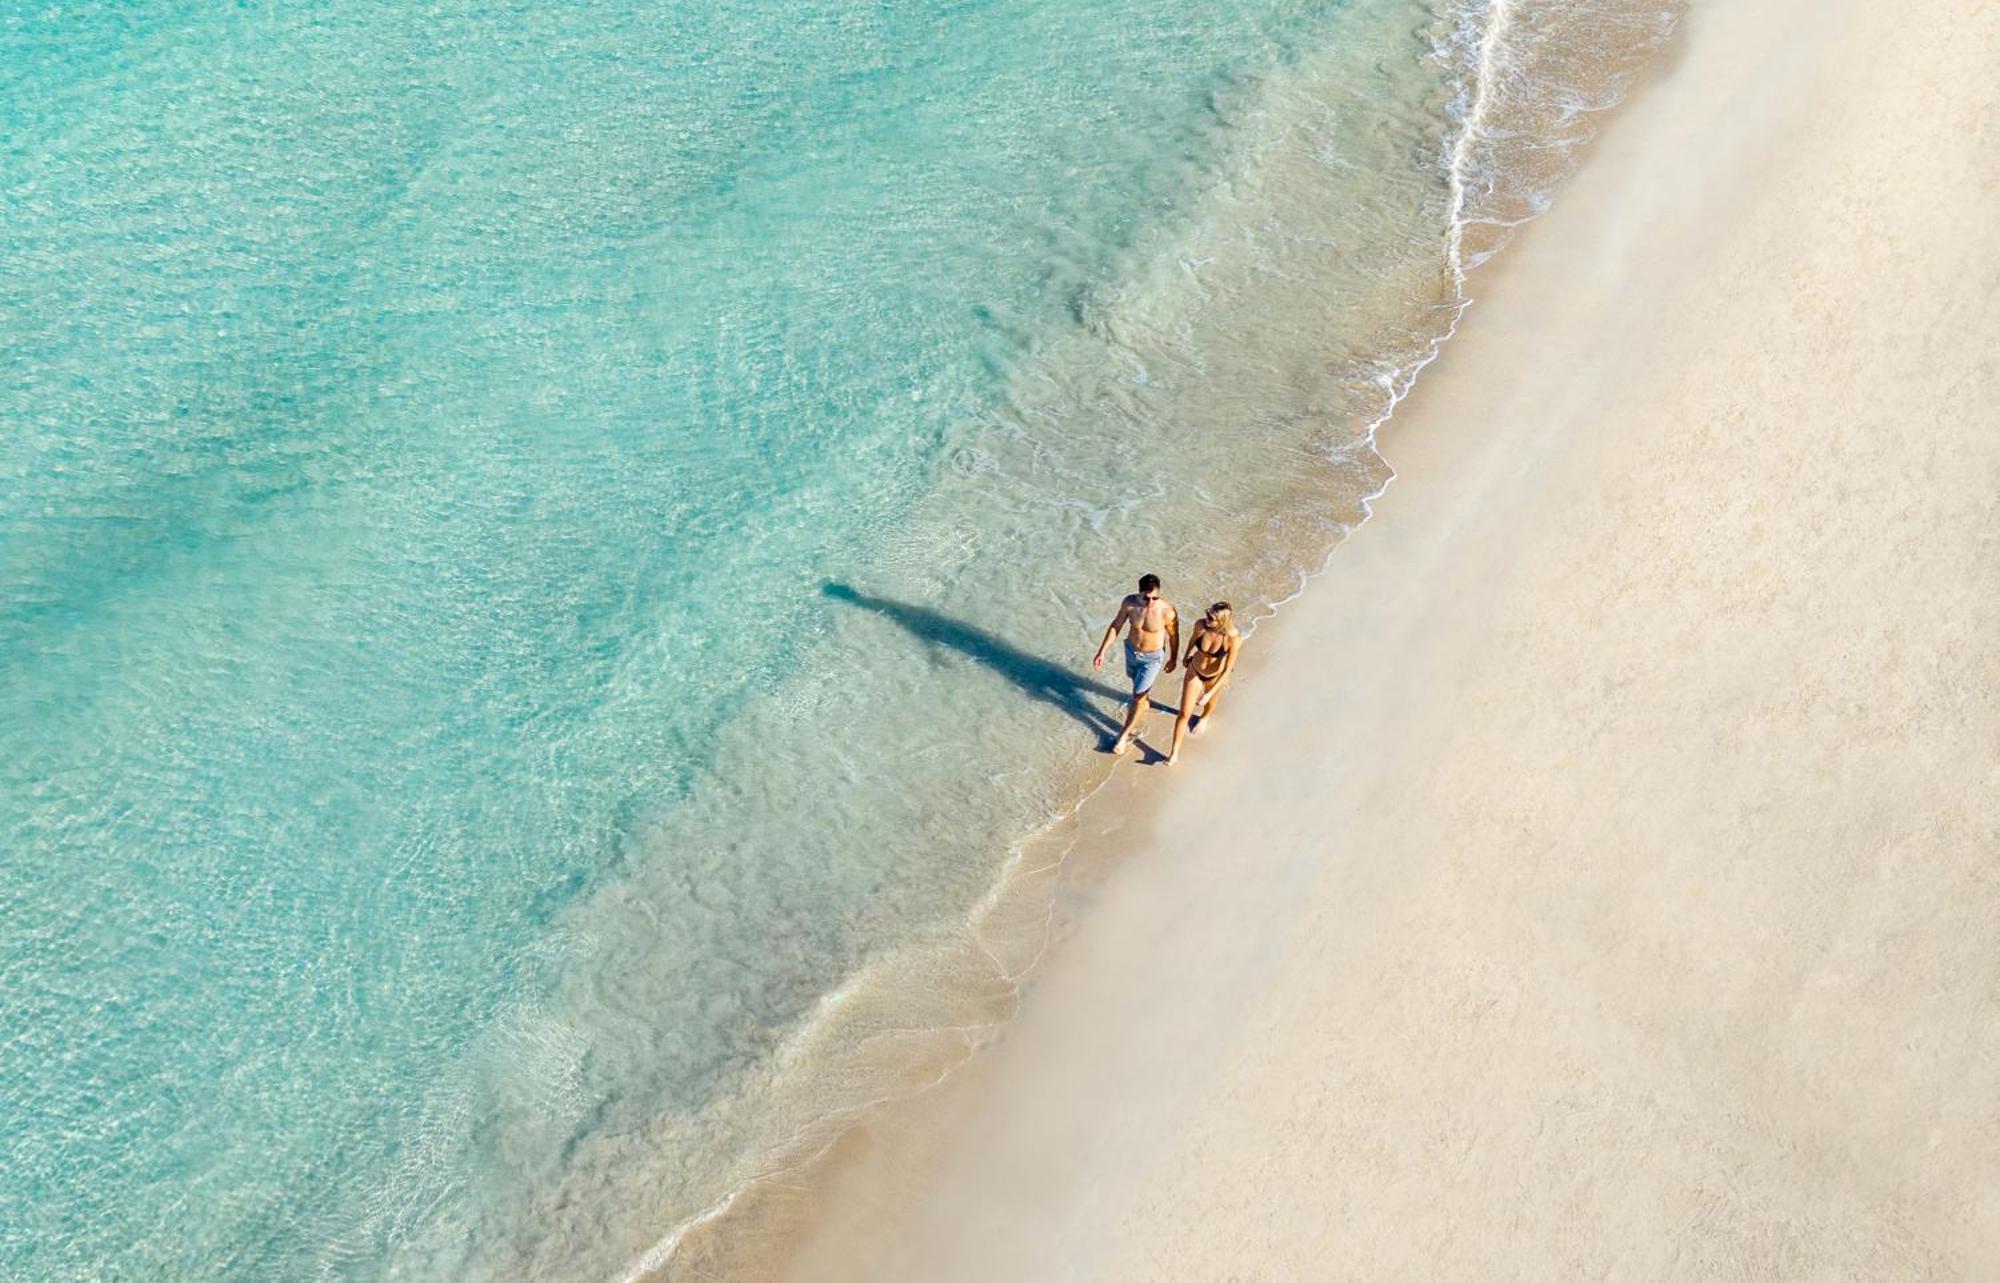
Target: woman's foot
(1172,757)
(1194,727)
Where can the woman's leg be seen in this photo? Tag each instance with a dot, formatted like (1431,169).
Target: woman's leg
(1207,712)
(1190,696)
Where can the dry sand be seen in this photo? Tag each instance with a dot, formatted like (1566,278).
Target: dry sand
(1598,875)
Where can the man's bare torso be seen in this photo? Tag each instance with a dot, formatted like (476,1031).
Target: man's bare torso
(1149,622)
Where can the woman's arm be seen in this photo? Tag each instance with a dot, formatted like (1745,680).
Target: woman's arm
(1194,637)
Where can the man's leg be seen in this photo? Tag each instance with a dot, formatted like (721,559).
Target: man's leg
(1132,715)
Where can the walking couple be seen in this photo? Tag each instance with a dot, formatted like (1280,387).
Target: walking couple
(1152,636)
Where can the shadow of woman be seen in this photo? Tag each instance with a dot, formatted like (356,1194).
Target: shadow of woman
(1040,679)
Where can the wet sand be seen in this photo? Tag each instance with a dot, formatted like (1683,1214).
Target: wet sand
(1597,874)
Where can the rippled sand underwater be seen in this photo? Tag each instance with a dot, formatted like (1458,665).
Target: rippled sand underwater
(550,556)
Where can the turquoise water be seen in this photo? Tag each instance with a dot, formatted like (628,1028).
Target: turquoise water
(539,542)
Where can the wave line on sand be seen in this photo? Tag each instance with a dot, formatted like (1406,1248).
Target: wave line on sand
(1475,43)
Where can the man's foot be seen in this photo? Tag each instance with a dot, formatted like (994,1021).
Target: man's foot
(1119,745)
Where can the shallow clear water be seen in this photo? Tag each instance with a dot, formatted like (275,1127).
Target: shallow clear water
(539,542)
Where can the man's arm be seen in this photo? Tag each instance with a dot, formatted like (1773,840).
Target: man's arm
(1173,637)
(1111,633)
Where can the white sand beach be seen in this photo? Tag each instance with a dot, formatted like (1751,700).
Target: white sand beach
(1598,874)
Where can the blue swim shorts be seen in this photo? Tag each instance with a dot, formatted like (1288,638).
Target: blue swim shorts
(1143,667)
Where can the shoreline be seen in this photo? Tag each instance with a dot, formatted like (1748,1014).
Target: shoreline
(756,1229)
(949,1184)
(755,1224)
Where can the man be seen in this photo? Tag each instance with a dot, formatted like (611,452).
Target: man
(1150,648)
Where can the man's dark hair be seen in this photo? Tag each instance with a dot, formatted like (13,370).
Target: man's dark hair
(1149,583)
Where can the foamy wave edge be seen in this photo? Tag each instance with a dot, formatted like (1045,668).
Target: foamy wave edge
(1474,39)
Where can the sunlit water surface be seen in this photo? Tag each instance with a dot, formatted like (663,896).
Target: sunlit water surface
(542,546)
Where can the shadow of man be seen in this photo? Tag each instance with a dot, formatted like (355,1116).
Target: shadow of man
(1040,679)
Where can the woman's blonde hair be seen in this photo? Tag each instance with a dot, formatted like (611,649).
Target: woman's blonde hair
(1219,612)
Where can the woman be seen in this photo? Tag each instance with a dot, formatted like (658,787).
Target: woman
(1211,654)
